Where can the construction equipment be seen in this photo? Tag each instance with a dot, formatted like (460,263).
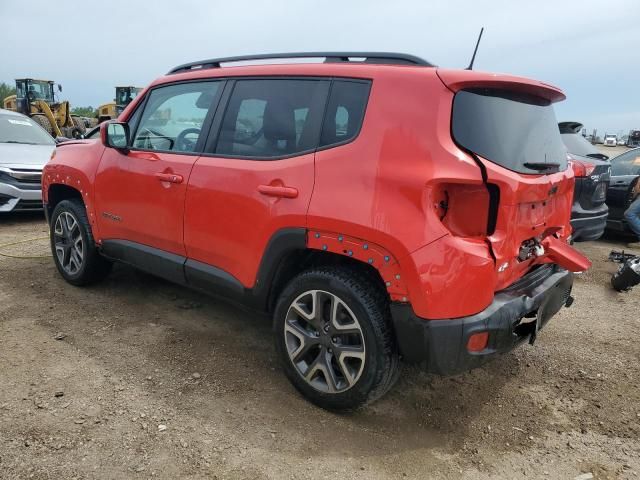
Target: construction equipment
(36,98)
(111,110)
(633,140)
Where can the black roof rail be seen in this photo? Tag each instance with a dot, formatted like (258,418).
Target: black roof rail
(330,57)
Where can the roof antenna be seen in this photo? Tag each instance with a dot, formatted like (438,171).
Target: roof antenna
(470,67)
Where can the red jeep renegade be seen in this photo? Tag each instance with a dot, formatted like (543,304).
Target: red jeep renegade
(376,206)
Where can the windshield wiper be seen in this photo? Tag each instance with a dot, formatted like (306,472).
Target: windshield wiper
(541,166)
(21,143)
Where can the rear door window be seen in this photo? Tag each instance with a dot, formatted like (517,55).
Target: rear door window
(516,131)
(272,118)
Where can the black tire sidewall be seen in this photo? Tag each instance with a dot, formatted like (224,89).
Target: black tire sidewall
(80,278)
(375,363)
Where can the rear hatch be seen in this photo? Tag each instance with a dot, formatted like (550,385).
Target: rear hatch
(507,124)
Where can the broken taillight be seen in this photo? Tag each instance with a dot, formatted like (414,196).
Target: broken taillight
(466,210)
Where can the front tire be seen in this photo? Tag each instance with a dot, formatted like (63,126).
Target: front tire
(334,336)
(73,247)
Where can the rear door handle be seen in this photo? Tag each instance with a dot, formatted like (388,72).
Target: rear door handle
(277,191)
(169,177)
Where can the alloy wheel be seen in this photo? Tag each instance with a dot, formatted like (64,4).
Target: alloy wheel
(324,341)
(68,243)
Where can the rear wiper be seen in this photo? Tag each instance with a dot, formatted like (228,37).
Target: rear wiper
(540,166)
(599,156)
(21,143)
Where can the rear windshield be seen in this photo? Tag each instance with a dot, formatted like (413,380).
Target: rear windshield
(519,132)
(578,145)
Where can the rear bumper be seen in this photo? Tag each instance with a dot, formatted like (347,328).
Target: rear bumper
(440,346)
(588,224)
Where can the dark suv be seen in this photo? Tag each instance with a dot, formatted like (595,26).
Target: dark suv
(592,172)
(376,206)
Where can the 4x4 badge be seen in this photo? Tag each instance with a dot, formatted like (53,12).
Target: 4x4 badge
(111,216)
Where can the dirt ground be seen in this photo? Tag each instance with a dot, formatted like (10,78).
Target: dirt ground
(139,378)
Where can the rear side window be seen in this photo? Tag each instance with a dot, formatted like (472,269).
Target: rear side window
(345,111)
(626,164)
(516,131)
(273,118)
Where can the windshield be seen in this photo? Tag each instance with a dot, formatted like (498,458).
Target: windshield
(124,95)
(20,129)
(519,132)
(578,145)
(34,90)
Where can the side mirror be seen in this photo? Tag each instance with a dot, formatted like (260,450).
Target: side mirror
(59,88)
(115,135)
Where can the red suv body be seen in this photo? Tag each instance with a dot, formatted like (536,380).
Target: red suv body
(377,208)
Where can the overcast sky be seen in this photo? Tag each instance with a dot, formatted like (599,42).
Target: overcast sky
(589,48)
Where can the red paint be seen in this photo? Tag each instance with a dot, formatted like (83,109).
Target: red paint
(145,191)
(385,190)
(366,252)
(228,220)
(561,253)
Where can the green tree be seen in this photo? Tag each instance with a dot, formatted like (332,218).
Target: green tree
(84,111)
(6,90)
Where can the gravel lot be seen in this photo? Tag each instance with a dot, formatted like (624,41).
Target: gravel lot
(138,378)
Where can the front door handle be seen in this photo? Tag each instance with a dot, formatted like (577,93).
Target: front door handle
(278,191)
(169,177)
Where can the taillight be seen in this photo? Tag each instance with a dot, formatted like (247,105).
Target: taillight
(466,210)
(582,169)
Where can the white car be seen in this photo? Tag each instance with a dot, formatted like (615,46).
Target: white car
(25,147)
(610,140)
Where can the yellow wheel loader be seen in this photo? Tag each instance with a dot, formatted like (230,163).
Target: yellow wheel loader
(36,99)
(111,110)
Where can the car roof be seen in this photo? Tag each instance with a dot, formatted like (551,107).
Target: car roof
(378,58)
(11,113)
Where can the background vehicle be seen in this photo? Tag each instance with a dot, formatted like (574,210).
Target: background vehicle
(625,170)
(111,110)
(633,140)
(576,143)
(24,149)
(589,211)
(36,99)
(610,140)
(319,193)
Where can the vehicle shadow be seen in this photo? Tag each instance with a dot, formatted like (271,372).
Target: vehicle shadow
(232,350)
(21,218)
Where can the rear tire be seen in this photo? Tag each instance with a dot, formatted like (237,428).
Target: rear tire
(79,123)
(334,336)
(43,121)
(73,247)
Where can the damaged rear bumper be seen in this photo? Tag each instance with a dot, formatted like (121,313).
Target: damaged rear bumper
(516,313)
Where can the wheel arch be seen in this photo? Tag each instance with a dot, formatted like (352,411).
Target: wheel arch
(293,250)
(58,192)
